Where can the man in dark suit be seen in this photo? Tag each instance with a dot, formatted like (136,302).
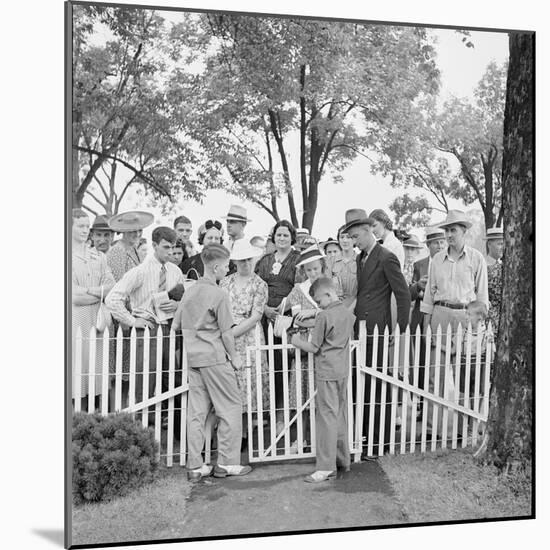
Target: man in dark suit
(378,276)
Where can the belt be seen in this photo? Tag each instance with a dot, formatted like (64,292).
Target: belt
(450,305)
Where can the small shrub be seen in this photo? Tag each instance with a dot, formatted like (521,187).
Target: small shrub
(112,455)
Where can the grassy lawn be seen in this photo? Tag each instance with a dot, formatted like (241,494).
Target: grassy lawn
(448,485)
(154,511)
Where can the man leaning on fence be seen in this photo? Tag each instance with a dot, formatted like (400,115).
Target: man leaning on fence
(204,316)
(147,287)
(456,277)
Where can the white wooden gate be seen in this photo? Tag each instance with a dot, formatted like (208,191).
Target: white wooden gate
(425,414)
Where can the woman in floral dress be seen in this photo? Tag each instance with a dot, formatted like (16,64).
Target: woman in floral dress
(248,297)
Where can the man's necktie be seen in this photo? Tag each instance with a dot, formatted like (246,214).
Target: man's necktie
(162,279)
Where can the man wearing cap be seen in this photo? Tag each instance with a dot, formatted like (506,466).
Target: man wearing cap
(302,239)
(378,276)
(236,221)
(494,241)
(101,234)
(435,241)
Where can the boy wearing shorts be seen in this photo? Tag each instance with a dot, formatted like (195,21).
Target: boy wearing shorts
(204,316)
(330,344)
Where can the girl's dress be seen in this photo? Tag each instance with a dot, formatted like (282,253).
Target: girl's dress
(299,296)
(89,269)
(244,302)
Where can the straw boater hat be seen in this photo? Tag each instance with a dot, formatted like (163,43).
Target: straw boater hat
(330,240)
(309,255)
(130,221)
(434,233)
(412,242)
(236,213)
(356,216)
(456,217)
(494,233)
(243,250)
(101,223)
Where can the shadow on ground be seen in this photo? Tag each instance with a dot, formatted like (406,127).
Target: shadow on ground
(53,535)
(274,498)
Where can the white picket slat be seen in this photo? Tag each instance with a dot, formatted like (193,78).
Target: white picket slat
(133,368)
(311,400)
(468,365)
(373,382)
(416,372)
(259,401)
(92,344)
(105,373)
(171,385)
(299,420)
(383,396)
(77,377)
(118,370)
(183,414)
(477,394)
(458,352)
(405,400)
(394,389)
(437,368)
(286,411)
(272,402)
(249,416)
(146,349)
(427,366)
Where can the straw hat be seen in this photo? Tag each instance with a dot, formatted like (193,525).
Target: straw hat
(310,255)
(236,213)
(356,216)
(456,217)
(494,233)
(243,250)
(302,231)
(130,221)
(412,242)
(434,233)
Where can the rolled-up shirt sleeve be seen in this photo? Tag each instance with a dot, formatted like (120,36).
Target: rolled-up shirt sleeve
(116,299)
(427,305)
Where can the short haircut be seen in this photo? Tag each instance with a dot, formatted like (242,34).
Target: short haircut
(79,213)
(163,232)
(179,244)
(182,219)
(322,283)
(212,252)
(379,215)
(289,226)
(479,307)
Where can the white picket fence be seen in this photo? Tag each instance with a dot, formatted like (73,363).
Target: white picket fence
(421,418)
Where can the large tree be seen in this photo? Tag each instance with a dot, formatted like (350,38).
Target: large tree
(278,89)
(124,121)
(466,130)
(510,414)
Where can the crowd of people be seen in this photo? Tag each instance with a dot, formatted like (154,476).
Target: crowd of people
(218,293)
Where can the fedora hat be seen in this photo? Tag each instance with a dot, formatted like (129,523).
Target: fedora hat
(356,216)
(330,240)
(456,217)
(130,221)
(494,233)
(309,255)
(101,223)
(236,213)
(433,233)
(243,250)
(412,242)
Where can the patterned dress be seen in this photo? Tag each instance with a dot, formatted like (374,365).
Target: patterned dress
(299,296)
(89,269)
(244,302)
(494,286)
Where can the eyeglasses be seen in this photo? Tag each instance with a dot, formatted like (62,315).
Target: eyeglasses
(209,224)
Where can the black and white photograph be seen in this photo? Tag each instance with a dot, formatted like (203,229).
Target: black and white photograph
(294,250)
(299,278)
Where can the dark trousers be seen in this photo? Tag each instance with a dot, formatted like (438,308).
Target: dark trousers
(377,409)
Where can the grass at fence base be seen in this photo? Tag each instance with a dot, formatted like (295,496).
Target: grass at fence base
(449,485)
(156,510)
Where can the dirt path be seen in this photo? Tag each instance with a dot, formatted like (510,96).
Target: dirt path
(274,498)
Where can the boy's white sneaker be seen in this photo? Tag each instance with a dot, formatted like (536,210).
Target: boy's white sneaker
(224,470)
(204,471)
(319,476)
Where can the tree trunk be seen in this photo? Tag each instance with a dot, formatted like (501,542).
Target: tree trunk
(509,430)
(488,210)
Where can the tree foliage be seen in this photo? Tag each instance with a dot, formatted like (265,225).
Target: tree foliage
(329,87)
(470,132)
(122,114)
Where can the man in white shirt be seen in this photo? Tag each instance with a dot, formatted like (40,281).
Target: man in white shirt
(156,275)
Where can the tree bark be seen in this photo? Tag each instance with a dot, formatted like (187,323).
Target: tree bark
(509,430)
